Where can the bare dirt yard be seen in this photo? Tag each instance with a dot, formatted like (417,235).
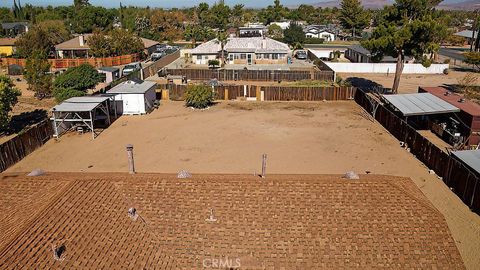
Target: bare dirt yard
(230,137)
(409,83)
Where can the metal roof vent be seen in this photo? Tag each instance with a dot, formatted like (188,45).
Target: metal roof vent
(462,100)
(447,93)
(132,213)
(212,217)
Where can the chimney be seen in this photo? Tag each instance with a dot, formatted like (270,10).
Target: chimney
(264,43)
(81,39)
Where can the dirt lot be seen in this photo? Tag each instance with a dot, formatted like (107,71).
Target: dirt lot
(299,138)
(409,83)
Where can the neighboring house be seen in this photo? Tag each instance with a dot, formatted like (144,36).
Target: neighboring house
(468,35)
(358,54)
(7,46)
(253,50)
(15,28)
(320,31)
(253,31)
(77,47)
(134,97)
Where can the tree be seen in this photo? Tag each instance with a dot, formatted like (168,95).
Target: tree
(8,98)
(237,14)
(90,17)
(467,86)
(353,17)
(222,39)
(213,63)
(75,82)
(37,74)
(294,35)
(169,24)
(42,38)
(198,96)
(408,30)
(78,4)
(124,42)
(472,58)
(275,31)
(273,13)
(100,44)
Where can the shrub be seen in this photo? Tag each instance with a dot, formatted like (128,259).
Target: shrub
(312,40)
(447,61)
(62,94)
(8,98)
(198,96)
(213,63)
(446,71)
(81,78)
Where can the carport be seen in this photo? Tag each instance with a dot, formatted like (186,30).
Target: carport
(419,104)
(79,112)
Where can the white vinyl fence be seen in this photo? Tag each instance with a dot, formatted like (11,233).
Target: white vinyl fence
(385,68)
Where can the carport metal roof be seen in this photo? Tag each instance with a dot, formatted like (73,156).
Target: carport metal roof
(470,158)
(420,104)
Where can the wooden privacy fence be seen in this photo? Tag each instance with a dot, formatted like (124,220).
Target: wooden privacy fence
(159,64)
(464,182)
(252,75)
(15,149)
(66,63)
(271,93)
(282,93)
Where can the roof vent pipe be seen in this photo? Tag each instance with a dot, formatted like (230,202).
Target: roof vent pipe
(462,100)
(81,39)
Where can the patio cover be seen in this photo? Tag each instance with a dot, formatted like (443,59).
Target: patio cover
(420,104)
(469,157)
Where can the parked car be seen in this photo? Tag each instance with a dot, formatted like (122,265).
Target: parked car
(157,55)
(301,54)
(130,68)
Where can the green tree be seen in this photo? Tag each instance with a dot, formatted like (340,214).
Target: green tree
(198,96)
(408,30)
(472,58)
(237,15)
(275,31)
(42,38)
(353,17)
(8,98)
(124,42)
(294,35)
(222,39)
(78,4)
(75,82)
(273,13)
(37,74)
(90,17)
(100,44)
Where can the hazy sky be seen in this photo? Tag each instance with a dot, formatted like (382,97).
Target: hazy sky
(158,3)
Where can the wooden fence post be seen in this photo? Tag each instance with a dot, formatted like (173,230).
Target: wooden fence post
(226,94)
(264,165)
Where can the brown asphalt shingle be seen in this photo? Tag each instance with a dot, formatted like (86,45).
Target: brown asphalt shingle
(282,222)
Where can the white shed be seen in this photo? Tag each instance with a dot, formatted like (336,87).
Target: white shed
(134,97)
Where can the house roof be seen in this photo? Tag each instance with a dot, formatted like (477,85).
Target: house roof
(283,221)
(7,41)
(243,44)
(466,33)
(419,104)
(131,87)
(109,69)
(360,49)
(467,106)
(470,158)
(11,25)
(74,43)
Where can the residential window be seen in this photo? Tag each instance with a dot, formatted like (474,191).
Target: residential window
(230,56)
(274,56)
(243,56)
(259,56)
(266,56)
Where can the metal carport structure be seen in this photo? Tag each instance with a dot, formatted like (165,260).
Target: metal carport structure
(80,110)
(419,104)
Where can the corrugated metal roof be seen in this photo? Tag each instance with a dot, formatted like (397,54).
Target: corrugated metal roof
(131,87)
(87,99)
(79,104)
(470,158)
(420,104)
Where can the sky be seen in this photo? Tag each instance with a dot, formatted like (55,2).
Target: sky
(158,3)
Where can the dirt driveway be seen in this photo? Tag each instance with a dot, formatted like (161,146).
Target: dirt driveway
(306,138)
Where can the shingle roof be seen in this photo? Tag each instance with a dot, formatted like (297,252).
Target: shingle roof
(281,222)
(8,26)
(244,44)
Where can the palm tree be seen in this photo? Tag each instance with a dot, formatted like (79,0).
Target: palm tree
(222,38)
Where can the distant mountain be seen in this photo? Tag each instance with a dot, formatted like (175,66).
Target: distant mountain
(378,4)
